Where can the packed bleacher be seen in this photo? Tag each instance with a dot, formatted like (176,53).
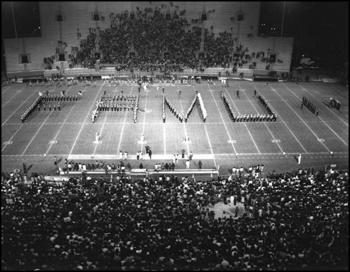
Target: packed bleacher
(294,220)
(218,49)
(151,41)
(151,35)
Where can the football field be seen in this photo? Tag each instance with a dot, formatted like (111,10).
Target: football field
(218,142)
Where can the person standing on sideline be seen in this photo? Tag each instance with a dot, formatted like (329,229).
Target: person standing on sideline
(200,165)
(299,158)
(24,169)
(254,92)
(150,154)
(190,156)
(188,164)
(238,93)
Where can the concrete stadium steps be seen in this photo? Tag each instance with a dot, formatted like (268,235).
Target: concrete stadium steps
(283,48)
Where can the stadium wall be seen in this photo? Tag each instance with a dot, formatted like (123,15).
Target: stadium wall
(78,17)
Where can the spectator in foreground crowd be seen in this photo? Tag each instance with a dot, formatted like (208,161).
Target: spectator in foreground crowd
(290,220)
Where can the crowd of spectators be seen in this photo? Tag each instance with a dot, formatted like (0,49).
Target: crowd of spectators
(147,40)
(153,40)
(218,49)
(48,62)
(294,220)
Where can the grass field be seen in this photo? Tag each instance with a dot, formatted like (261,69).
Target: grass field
(69,133)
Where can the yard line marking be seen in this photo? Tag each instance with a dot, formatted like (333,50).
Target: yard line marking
(47,151)
(206,132)
(17,93)
(288,127)
(144,118)
(107,123)
(228,133)
(4,91)
(243,122)
(301,120)
(211,149)
(164,136)
(100,133)
(320,117)
(36,133)
(324,105)
(12,137)
(263,122)
(20,106)
(184,124)
(121,134)
(64,122)
(81,128)
(341,92)
(208,156)
(39,129)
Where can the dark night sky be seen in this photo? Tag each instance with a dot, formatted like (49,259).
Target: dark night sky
(318,27)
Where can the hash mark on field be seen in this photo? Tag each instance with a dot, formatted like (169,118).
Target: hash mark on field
(320,119)
(81,128)
(62,124)
(302,119)
(284,122)
(7,142)
(36,133)
(20,106)
(243,122)
(224,123)
(276,141)
(121,134)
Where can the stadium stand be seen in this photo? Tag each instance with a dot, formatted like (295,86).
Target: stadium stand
(86,220)
(183,40)
(291,220)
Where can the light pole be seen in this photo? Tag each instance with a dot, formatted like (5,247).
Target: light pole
(14,21)
(284,8)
